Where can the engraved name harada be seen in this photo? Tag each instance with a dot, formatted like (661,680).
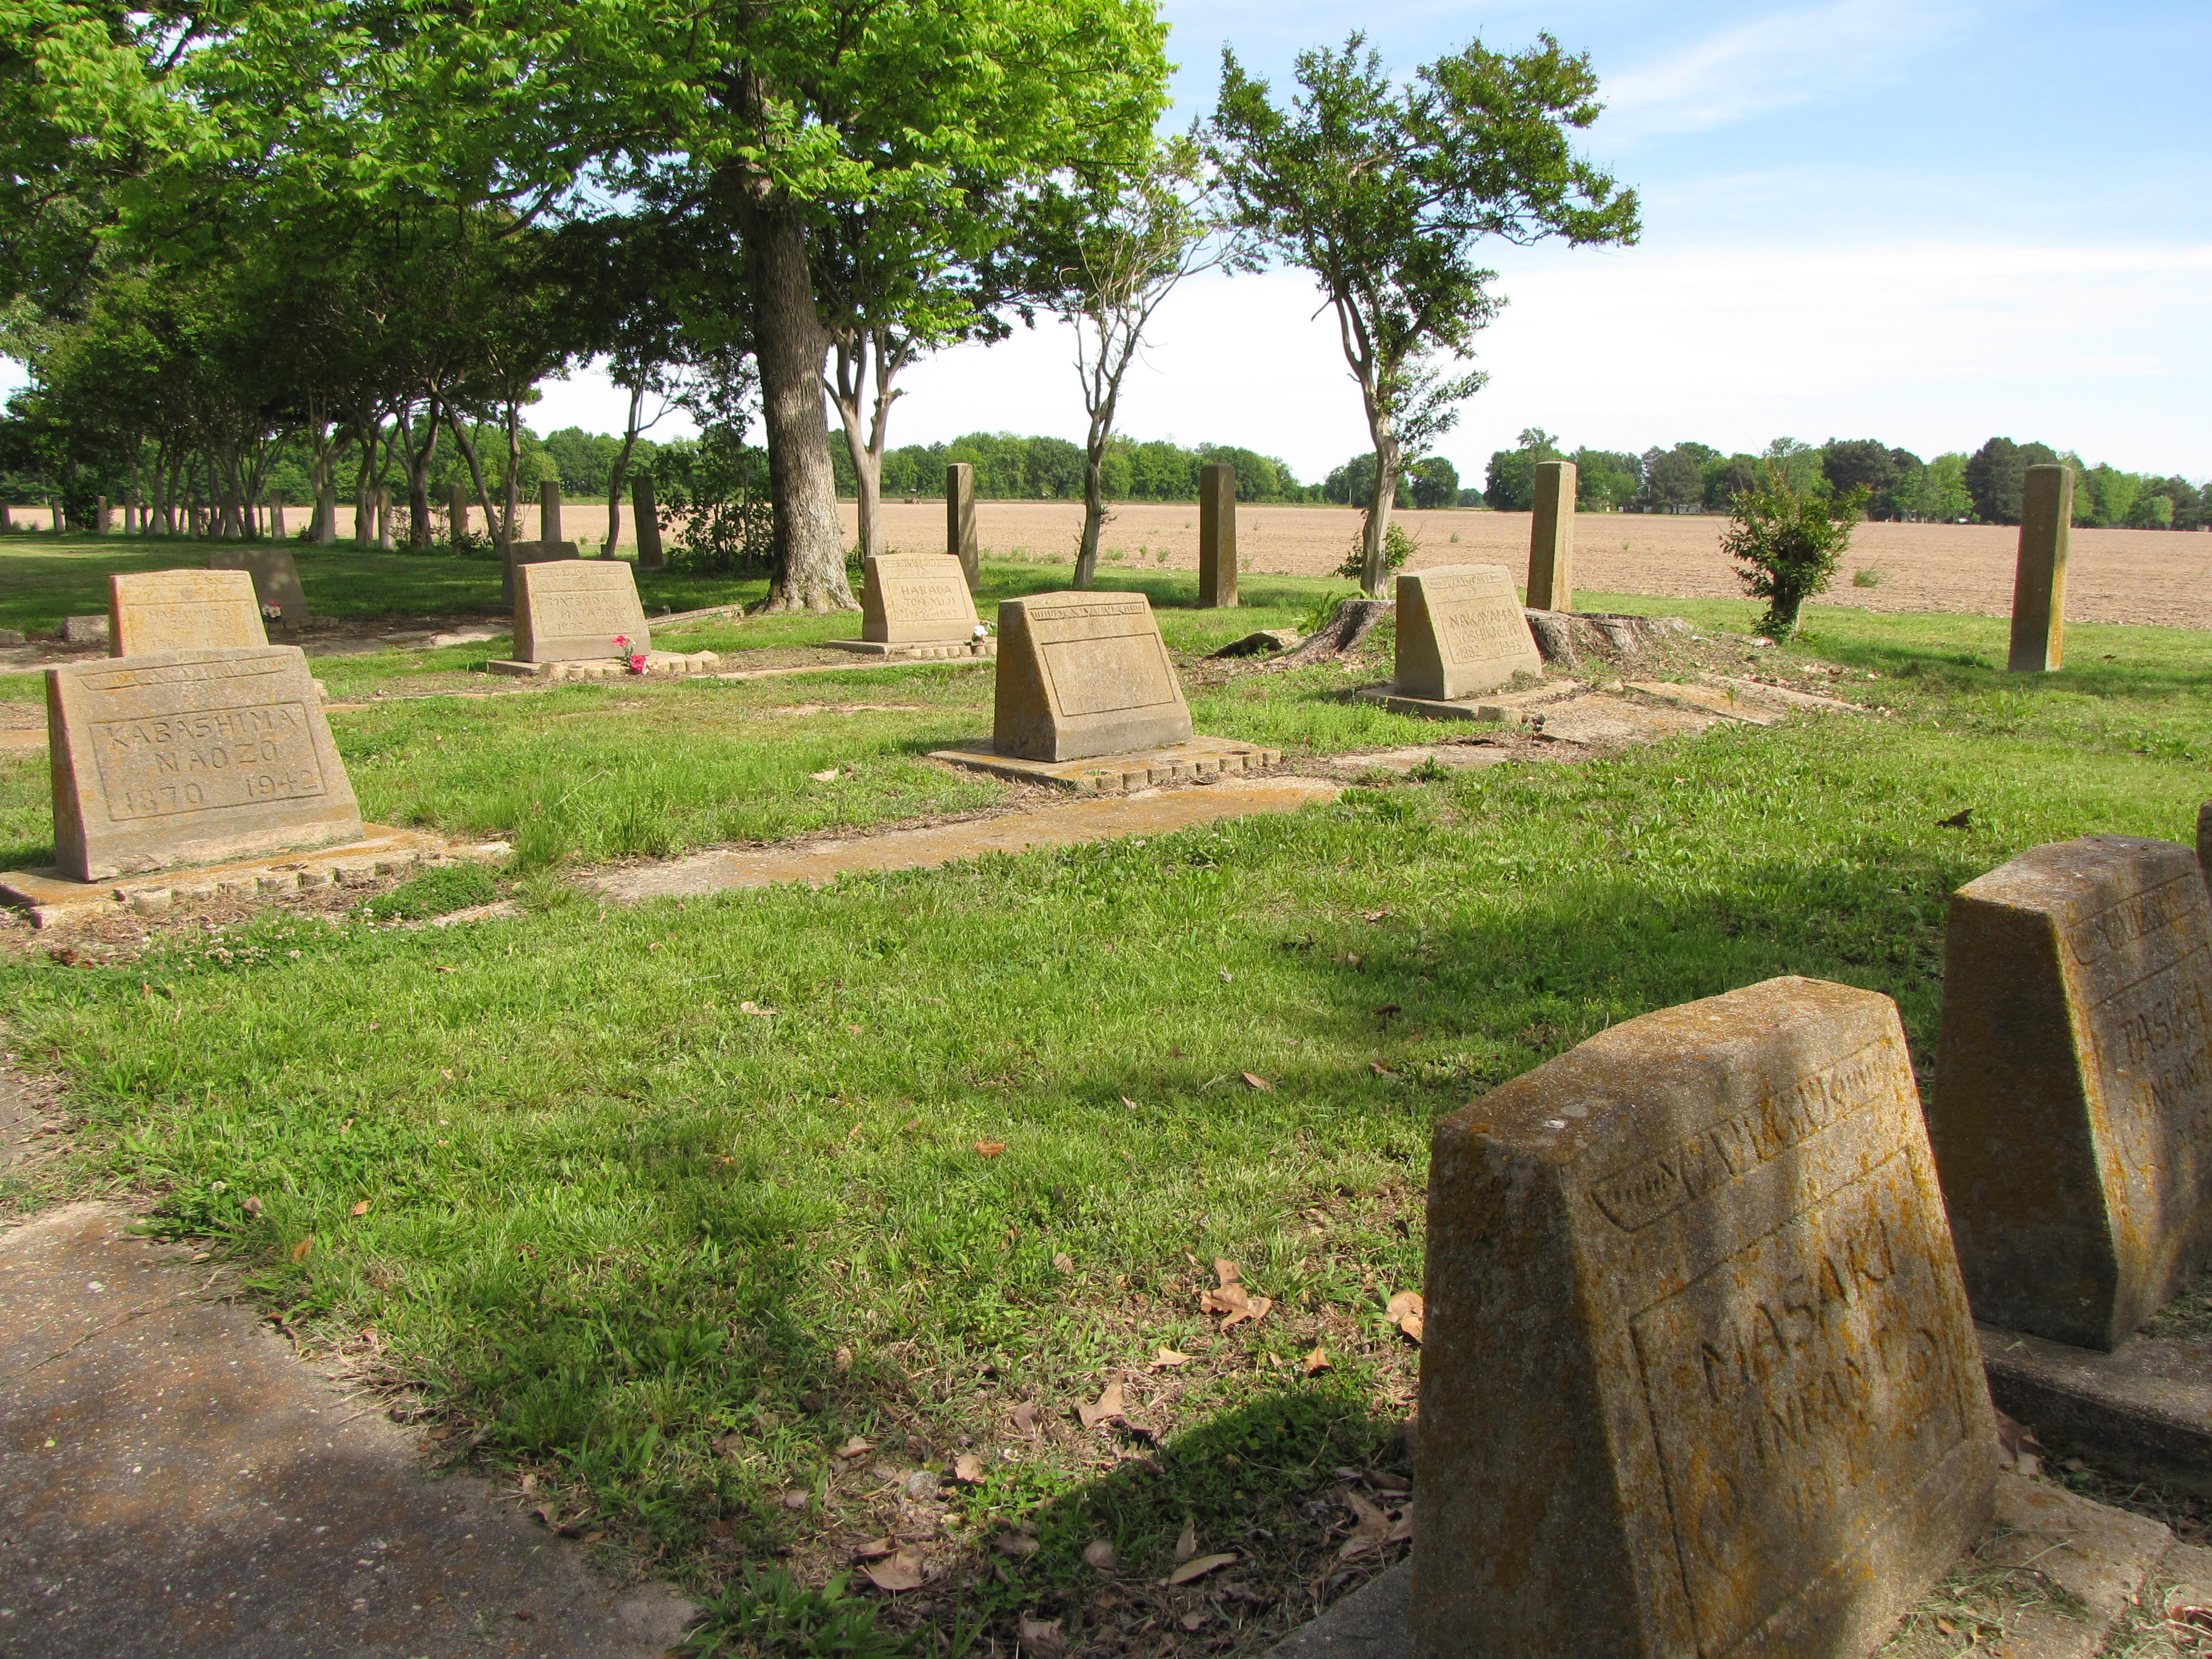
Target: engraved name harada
(1634,1198)
(924,596)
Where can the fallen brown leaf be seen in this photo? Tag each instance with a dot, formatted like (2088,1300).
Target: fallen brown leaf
(968,1469)
(252,1207)
(901,1572)
(1063,1263)
(1198,1568)
(990,1148)
(1168,1359)
(1227,1271)
(1100,1555)
(1017,1545)
(299,1250)
(1318,1361)
(1130,1103)
(1187,1540)
(456,971)
(1042,1638)
(856,1447)
(1024,1418)
(362,1208)
(1407,1312)
(1109,1406)
(875,1549)
(1198,1620)
(1253,1081)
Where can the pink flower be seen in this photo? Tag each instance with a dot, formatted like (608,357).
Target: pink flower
(637,662)
(622,641)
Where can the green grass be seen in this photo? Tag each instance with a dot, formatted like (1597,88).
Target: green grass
(614,1218)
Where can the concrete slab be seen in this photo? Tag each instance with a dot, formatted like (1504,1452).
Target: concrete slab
(2102,1557)
(1782,695)
(933,651)
(54,900)
(1600,718)
(1494,708)
(1722,700)
(820,863)
(2142,1412)
(23,738)
(1108,775)
(658,665)
(174,1482)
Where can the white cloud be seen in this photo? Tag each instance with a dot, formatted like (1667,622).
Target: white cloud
(1773,62)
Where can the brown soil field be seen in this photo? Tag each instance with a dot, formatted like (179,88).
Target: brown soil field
(2153,576)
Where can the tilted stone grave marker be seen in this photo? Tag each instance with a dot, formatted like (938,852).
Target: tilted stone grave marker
(2072,1116)
(1698,1377)
(2038,584)
(570,611)
(913,599)
(521,553)
(1216,534)
(151,611)
(1551,538)
(1083,674)
(186,756)
(276,576)
(1460,631)
(961,540)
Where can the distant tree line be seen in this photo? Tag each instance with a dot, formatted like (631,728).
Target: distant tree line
(1981,487)
(1010,467)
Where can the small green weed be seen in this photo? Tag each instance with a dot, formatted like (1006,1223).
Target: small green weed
(1866,576)
(769,1615)
(437,891)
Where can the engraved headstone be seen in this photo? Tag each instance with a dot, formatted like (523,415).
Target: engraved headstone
(179,610)
(187,756)
(960,538)
(522,553)
(1461,630)
(1551,538)
(1083,674)
(2039,585)
(911,599)
(571,610)
(1216,534)
(275,577)
(2072,1116)
(1698,1377)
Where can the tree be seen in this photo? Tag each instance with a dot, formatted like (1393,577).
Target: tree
(1435,482)
(1725,480)
(1674,477)
(1509,482)
(1859,464)
(1385,194)
(1996,474)
(1108,255)
(1789,542)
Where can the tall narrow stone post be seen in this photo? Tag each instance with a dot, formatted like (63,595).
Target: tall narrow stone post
(650,555)
(960,521)
(277,517)
(457,513)
(7,523)
(100,515)
(384,517)
(1217,535)
(1551,538)
(2038,583)
(549,513)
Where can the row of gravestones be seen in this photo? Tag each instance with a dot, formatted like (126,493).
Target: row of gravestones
(1699,1374)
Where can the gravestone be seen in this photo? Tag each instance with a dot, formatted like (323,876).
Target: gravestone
(911,599)
(153,610)
(549,512)
(186,756)
(571,610)
(522,553)
(277,517)
(275,577)
(100,523)
(86,630)
(2038,584)
(1217,535)
(2072,1117)
(1698,1377)
(384,517)
(1460,631)
(457,513)
(960,538)
(1551,538)
(650,555)
(2204,840)
(1083,674)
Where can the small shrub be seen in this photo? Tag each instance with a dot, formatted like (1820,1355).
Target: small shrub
(437,891)
(1317,616)
(1866,576)
(1398,546)
(1789,545)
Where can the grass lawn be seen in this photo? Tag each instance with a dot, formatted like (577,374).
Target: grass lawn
(668,1206)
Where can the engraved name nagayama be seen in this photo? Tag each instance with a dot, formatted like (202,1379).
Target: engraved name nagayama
(1478,630)
(1658,1186)
(206,760)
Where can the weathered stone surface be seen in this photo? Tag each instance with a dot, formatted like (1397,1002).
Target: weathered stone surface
(522,553)
(2072,1118)
(187,756)
(1698,1377)
(1461,630)
(913,599)
(2038,588)
(549,512)
(1216,534)
(151,611)
(2142,1412)
(276,580)
(85,630)
(571,610)
(960,535)
(1551,538)
(2204,841)
(645,508)
(1083,674)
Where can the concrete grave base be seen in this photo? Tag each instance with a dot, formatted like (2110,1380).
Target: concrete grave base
(2104,1557)
(53,899)
(918,650)
(1113,774)
(1495,707)
(658,665)
(2142,1412)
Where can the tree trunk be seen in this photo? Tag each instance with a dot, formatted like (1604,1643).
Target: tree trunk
(418,475)
(511,507)
(1094,493)
(620,472)
(1375,562)
(468,449)
(792,346)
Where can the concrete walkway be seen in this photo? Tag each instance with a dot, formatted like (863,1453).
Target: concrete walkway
(174,1482)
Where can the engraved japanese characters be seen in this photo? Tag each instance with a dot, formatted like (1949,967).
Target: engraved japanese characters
(2072,1116)
(1460,631)
(911,599)
(186,756)
(1082,675)
(571,610)
(1699,1376)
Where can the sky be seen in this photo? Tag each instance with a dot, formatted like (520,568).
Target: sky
(1921,221)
